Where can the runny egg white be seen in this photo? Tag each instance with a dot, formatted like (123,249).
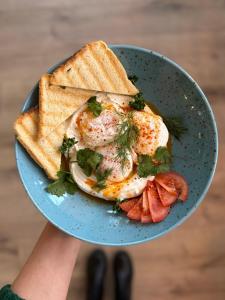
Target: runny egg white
(99,134)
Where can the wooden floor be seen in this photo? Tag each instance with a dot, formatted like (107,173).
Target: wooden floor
(188,263)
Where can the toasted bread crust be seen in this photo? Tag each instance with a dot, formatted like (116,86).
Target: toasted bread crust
(46,151)
(56,104)
(41,130)
(95,67)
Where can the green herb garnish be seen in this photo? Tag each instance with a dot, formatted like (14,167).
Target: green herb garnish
(162,155)
(159,163)
(126,137)
(133,78)
(66,145)
(162,168)
(145,165)
(138,103)
(116,208)
(94,106)
(101,177)
(63,184)
(88,160)
(175,126)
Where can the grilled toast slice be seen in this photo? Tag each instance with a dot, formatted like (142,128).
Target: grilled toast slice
(56,104)
(94,67)
(44,151)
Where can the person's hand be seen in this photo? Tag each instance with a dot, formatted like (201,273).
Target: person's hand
(48,270)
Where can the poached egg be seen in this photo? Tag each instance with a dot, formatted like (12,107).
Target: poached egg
(99,133)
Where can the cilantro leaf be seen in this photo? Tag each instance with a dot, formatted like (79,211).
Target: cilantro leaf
(101,179)
(94,106)
(162,168)
(63,184)
(66,145)
(70,187)
(94,160)
(56,188)
(159,163)
(162,155)
(175,126)
(138,103)
(88,160)
(145,165)
(133,78)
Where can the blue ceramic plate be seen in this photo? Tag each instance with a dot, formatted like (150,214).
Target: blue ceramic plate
(173,92)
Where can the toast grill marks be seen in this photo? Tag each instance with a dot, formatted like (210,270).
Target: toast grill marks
(99,69)
(94,67)
(56,104)
(101,66)
(45,151)
(90,69)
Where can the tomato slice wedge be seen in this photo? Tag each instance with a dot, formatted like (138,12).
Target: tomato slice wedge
(136,211)
(166,198)
(166,183)
(128,204)
(145,216)
(173,182)
(157,210)
(145,204)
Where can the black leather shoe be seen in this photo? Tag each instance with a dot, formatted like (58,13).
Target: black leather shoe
(96,271)
(123,273)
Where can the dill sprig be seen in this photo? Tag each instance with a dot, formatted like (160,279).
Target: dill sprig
(126,137)
(175,126)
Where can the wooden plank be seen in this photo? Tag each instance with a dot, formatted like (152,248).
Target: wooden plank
(189,262)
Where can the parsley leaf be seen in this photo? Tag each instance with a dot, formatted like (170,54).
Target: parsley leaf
(138,103)
(63,184)
(88,160)
(159,163)
(162,155)
(94,106)
(162,168)
(66,145)
(126,137)
(175,126)
(145,165)
(133,78)
(101,179)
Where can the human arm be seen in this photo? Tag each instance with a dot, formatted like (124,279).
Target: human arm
(48,270)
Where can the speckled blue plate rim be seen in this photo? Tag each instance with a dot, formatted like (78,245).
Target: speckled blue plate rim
(191,211)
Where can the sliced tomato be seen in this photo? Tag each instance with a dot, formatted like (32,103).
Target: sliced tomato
(145,216)
(128,204)
(136,211)
(145,204)
(169,185)
(157,210)
(166,198)
(173,182)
